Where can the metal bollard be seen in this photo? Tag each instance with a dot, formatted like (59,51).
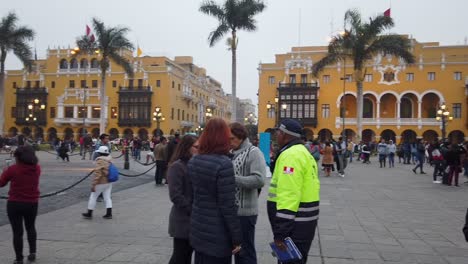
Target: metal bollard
(126,163)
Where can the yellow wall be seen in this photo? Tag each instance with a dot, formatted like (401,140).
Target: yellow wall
(430,57)
(150,69)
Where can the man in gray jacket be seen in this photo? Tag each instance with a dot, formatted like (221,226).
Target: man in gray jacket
(249,170)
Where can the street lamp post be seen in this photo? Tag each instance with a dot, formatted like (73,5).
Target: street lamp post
(158,117)
(209,113)
(85,113)
(273,108)
(35,107)
(443,115)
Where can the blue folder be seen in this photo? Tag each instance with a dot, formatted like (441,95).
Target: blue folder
(290,254)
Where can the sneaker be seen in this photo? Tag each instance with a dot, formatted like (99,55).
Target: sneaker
(414,171)
(86,216)
(32,257)
(342,175)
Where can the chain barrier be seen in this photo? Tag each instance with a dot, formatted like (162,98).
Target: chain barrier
(144,164)
(62,190)
(137,175)
(118,156)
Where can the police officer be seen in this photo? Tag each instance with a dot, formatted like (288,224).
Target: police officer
(293,198)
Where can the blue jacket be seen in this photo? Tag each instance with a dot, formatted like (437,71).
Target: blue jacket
(214,224)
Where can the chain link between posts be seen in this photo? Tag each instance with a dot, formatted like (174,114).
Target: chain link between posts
(62,190)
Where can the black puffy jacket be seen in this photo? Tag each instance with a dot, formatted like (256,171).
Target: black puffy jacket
(214,225)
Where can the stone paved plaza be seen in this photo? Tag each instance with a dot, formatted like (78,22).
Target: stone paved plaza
(371,216)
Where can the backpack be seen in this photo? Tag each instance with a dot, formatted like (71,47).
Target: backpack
(113,175)
(315,152)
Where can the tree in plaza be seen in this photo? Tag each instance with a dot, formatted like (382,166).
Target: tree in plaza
(109,42)
(13,38)
(359,43)
(232,16)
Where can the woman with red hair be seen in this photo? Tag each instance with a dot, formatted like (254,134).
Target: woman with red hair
(215,232)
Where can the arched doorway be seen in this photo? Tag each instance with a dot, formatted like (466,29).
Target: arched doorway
(456,136)
(408,136)
(39,133)
(113,133)
(51,134)
(368,135)
(429,104)
(12,132)
(368,108)
(408,106)
(430,136)
(95,132)
(308,133)
(349,134)
(68,133)
(128,133)
(325,135)
(26,131)
(388,134)
(143,134)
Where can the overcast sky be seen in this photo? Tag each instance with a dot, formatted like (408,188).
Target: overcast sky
(176,28)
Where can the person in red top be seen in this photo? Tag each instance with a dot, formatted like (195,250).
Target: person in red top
(23,199)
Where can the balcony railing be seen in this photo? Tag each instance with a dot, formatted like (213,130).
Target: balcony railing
(298,85)
(390,121)
(76,121)
(187,95)
(134,122)
(186,124)
(135,89)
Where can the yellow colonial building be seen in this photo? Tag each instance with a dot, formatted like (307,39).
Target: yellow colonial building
(401,101)
(61,95)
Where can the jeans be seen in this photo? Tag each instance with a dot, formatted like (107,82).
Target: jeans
(420,162)
(160,169)
(341,163)
(106,190)
(247,255)
(201,258)
(382,160)
(453,173)
(137,153)
(17,212)
(438,169)
(391,160)
(182,253)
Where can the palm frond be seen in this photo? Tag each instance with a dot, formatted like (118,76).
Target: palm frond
(392,44)
(212,9)
(217,34)
(8,22)
(122,61)
(353,18)
(377,25)
(24,53)
(319,66)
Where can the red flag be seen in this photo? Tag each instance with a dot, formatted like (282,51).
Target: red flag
(88,30)
(387,13)
(92,38)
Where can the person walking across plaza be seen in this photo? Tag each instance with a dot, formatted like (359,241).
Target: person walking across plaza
(294,195)
(454,164)
(101,184)
(249,171)
(391,150)
(420,151)
(103,141)
(341,149)
(382,150)
(215,230)
(180,193)
(327,158)
(23,198)
(160,155)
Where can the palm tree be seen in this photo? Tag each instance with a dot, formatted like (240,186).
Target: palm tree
(108,43)
(359,43)
(13,38)
(232,16)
